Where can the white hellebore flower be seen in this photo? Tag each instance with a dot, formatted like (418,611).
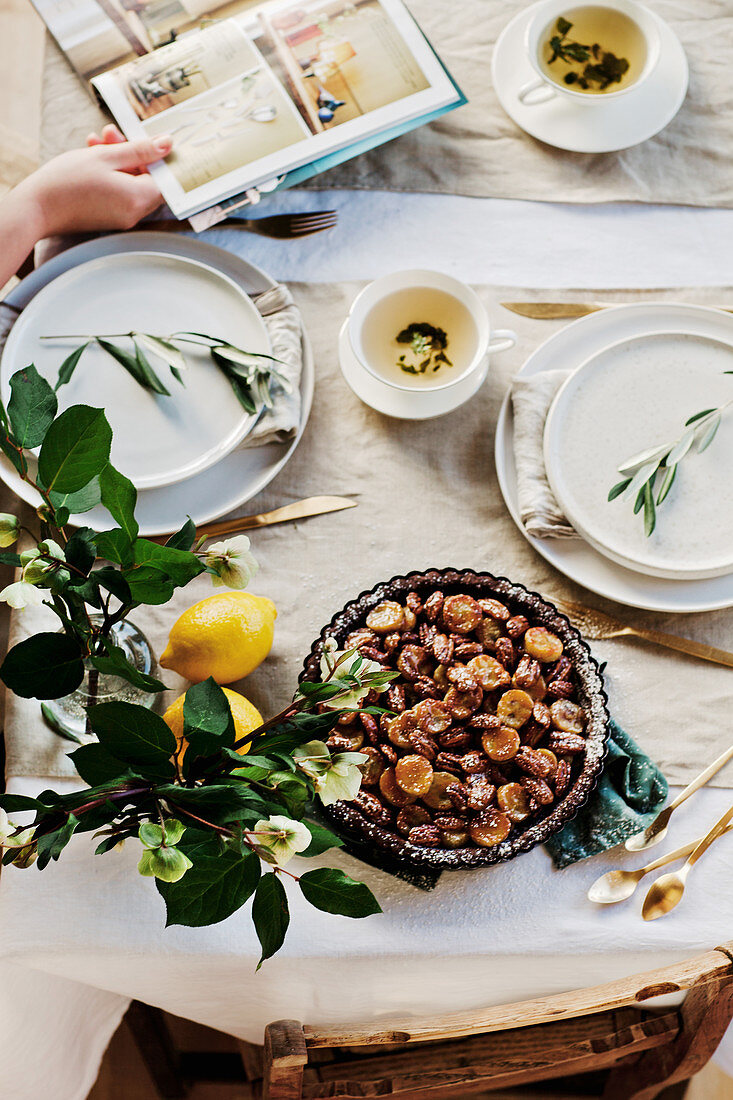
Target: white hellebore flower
(279,838)
(342,780)
(352,698)
(233,562)
(9,529)
(21,594)
(37,569)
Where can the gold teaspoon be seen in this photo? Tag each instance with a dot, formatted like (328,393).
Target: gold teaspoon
(657,831)
(620,884)
(667,891)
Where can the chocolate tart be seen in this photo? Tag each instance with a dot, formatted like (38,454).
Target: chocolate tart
(345,817)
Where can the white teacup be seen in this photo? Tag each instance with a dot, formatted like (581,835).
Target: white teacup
(393,302)
(542,89)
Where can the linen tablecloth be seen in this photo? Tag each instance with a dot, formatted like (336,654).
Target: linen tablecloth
(517,931)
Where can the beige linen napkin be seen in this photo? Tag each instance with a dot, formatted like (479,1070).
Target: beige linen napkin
(285,327)
(540,511)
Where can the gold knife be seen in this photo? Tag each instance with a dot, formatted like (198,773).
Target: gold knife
(563,311)
(300,509)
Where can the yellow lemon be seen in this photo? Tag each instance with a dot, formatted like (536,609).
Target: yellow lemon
(246,717)
(225,636)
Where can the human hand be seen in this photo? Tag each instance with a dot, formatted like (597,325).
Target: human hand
(105,186)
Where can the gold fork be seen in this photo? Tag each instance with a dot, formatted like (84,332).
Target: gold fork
(595,625)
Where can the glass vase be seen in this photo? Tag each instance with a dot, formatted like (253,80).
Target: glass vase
(67,715)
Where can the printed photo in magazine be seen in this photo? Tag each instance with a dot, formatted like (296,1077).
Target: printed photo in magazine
(252,92)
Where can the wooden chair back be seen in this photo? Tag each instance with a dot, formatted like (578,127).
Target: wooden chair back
(608,1027)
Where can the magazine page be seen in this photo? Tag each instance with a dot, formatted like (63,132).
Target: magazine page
(97,35)
(274,88)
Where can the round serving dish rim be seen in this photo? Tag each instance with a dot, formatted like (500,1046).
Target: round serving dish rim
(351,824)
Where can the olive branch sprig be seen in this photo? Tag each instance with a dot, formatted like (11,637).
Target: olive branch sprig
(647,477)
(250,374)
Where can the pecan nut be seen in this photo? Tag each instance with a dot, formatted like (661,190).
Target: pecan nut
(372,808)
(427,836)
(538,790)
(516,626)
(432,605)
(534,763)
(566,742)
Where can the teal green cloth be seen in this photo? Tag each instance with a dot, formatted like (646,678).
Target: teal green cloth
(630,792)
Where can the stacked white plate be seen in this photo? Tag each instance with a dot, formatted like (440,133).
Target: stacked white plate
(183,452)
(639,373)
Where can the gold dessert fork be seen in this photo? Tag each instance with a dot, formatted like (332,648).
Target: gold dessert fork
(597,626)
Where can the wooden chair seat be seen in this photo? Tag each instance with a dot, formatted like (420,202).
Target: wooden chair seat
(602,1028)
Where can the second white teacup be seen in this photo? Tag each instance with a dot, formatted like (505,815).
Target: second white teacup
(393,303)
(627,21)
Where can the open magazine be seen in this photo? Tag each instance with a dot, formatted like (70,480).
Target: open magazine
(254,96)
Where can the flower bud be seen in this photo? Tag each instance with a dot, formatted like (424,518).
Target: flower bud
(168,864)
(9,529)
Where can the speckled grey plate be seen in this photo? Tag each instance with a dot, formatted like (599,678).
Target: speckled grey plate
(345,817)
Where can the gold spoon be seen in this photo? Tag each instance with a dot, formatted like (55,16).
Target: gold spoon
(620,884)
(667,891)
(658,828)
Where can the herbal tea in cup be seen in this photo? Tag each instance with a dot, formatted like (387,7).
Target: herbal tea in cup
(593,50)
(422,330)
(419,336)
(590,52)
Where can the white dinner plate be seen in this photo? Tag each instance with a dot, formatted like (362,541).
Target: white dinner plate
(245,471)
(157,439)
(571,346)
(634,395)
(590,128)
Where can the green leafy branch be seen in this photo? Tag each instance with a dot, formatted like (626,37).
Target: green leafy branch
(90,579)
(250,374)
(649,475)
(217,818)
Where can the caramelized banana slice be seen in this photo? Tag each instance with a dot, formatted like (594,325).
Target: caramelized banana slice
(567,716)
(432,716)
(436,797)
(414,774)
(461,614)
(371,768)
(490,828)
(542,645)
(501,744)
(386,617)
(400,728)
(514,801)
(457,839)
(488,673)
(392,791)
(515,708)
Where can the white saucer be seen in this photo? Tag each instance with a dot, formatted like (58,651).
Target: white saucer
(400,403)
(572,345)
(617,124)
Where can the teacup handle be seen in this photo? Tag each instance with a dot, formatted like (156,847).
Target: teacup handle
(502,339)
(526,93)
